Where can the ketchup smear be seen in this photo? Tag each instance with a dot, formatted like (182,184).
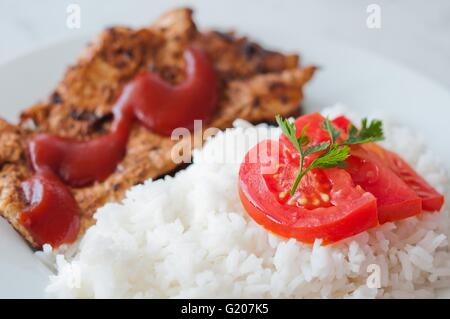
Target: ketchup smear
(53,216)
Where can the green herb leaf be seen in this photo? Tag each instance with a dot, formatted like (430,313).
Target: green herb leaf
(289,129)
(368,133)
(342,164)
(317,148)
(303,139)
(334,157)
(334,133)
(334,154)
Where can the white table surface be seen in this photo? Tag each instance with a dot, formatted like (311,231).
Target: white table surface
(415,33)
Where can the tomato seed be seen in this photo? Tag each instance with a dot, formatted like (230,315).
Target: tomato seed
(283,194)
(324,197)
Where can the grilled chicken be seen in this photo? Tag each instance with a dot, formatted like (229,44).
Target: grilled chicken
(255,84)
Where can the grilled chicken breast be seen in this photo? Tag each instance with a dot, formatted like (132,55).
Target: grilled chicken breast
(255,84)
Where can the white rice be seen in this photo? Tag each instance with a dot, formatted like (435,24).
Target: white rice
(189,237)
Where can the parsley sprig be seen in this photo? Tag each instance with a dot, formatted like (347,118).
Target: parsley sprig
(334,153)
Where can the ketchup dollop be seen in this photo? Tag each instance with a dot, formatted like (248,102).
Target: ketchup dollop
(59,162)
(53,216)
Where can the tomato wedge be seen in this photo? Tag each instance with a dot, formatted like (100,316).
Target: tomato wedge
(395,199)
(432,200)
(326,205)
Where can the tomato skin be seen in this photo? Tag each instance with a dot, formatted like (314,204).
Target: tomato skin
(353,210)
(432,200)
(395,199)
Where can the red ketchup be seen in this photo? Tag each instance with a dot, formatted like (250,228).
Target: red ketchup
(53,216)
(58,161)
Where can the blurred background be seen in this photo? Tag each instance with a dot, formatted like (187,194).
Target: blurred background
(415,33)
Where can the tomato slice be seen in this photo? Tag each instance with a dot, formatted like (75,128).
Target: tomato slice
(377,186)
(314,130)
(432,200)
(326,205)
(396,200)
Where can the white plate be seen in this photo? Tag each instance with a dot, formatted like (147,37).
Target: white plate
(351,76)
